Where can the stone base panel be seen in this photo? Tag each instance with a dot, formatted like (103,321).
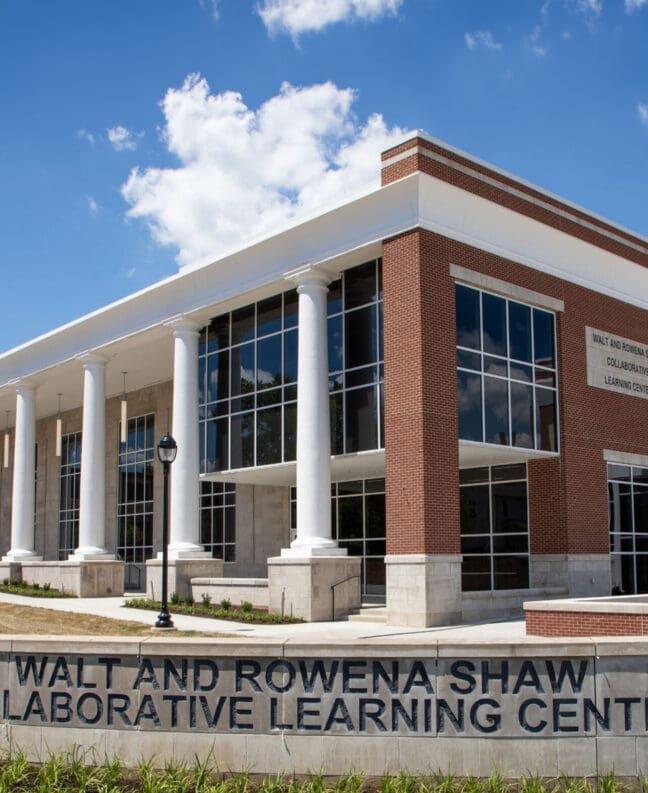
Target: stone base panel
(340,755)
(317,588)
(236,590)
(180,573)
(85,579)
(582,575)
(11,571)
(479,606)
(423,590)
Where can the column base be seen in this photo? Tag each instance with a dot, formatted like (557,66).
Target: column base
(180,573)
(91,553)
(84,578)
(20,555)
(308,551)
(423,590)
(581,574)
(186,552)
(315,588)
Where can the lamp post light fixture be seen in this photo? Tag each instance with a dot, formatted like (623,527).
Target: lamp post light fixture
(167,449)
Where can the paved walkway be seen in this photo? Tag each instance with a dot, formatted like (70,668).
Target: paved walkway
(508,631)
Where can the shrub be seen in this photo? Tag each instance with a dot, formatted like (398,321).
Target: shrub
(35,585)
(189,600)
(174,598)
(206,599)
(246,606)
(225,604)
(6,581)
(47,586)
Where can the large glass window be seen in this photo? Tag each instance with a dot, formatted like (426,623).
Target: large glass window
(506,371)
(135,499)
(70,482)
(358,524)
(628,518)
(248,375)
(494,528)
(218,519)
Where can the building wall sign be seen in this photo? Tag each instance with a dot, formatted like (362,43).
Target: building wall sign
(462,697)
(616,364)
(517,709)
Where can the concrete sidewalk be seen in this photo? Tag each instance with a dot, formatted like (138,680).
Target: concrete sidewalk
(508,631)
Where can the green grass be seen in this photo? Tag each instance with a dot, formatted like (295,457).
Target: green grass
(214,611)
(76,772)
(32,590)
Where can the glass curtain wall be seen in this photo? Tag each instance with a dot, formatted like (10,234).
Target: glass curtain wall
(218,519)
(135,500)
(494,528)
(628,520)
(358,524)
(248,375)
(506,371)
(70,482)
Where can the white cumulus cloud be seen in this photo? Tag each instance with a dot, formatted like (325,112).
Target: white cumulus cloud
(93,206)
(633,5)
(300,16)
(246,172)
(85,135)
(481,38)
(123,139)
(643,113)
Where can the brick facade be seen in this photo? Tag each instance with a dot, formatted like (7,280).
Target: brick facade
(568,495)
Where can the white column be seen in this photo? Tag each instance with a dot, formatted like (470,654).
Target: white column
(92,489)
(23,497)
(313,421)
(184,524)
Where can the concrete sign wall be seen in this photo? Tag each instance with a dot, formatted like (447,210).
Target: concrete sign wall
(268,708)
(616,364)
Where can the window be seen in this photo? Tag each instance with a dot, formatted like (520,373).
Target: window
(628,520)
(248,375)
(135,499)
(494,528)
(70,483)
(506,371)
(358,524)
(218,519)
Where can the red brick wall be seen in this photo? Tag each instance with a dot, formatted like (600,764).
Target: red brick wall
(568,497)
(555,213)
(421,455)
(573,623)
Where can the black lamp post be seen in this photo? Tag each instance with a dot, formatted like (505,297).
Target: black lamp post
(167,450)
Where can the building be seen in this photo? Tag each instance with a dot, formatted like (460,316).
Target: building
(468,428)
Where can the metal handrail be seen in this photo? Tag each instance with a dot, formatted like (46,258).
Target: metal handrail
(338,583)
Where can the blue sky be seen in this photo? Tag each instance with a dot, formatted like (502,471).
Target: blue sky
(139,135)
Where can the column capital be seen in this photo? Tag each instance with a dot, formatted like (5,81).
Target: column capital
(181,325)
(23,385)
(90,358)
(308,275)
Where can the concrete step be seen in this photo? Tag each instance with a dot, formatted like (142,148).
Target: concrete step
(376,614)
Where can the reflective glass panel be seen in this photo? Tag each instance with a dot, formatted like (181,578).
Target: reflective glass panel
(521,415)
(243,324)
(496,417)
(546,430)
(543,338)
(268,366)
(361,336)
(361,419)
(475,510)
(470,406)
(268,448)
(494,309)
(360,285)
(269,316)
(468,317)
(520,331)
